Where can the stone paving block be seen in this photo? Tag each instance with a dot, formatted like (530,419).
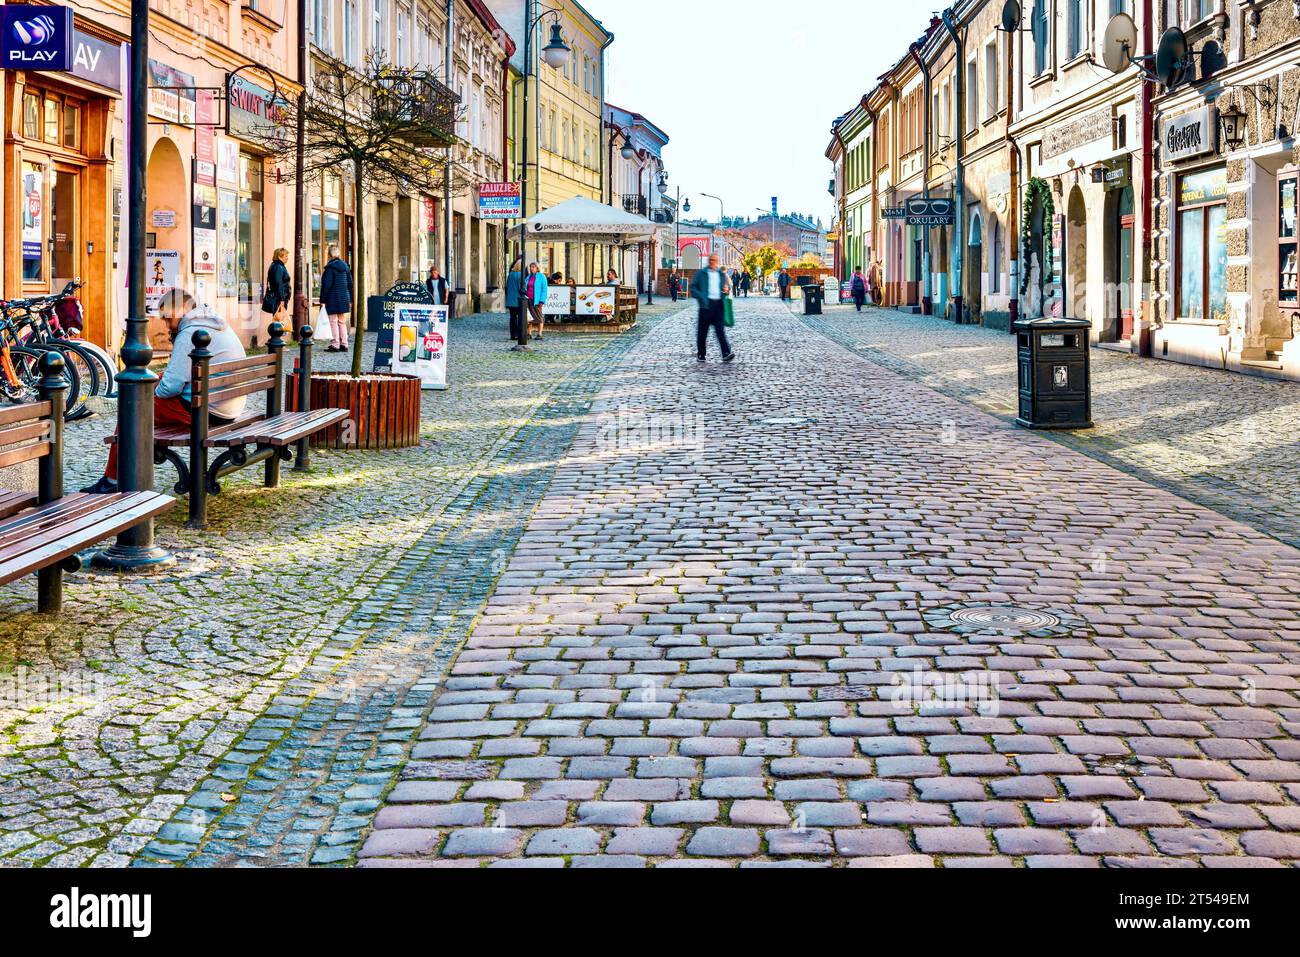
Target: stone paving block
(723,842)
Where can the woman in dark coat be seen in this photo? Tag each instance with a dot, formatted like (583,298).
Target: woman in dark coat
(745,283)
(858,288)
(336,298)
(279,287)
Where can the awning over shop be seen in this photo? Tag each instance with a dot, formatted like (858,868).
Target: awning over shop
(582,220)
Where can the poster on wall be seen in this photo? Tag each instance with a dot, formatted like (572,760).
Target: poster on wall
(227,225)
(33,203)
(162,271)
(595,301)
(421,337)
(1055,305)
(205,143)
(227,162)
(205,252)
(559,301)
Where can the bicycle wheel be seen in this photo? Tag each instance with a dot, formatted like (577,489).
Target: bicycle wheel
(27,365)
(104,362)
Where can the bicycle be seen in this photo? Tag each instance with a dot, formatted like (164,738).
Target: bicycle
(20,363)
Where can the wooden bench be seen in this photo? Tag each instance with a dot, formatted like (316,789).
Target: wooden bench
(270,437)
(43,533)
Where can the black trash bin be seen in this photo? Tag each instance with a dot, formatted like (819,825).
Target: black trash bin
(813,296)
(1055,374)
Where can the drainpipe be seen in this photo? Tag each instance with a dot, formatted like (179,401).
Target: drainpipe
(446,173)
(1141,340)
(927,297)
(1013,167)
(960,172)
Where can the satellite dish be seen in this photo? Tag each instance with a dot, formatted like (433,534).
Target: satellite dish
(1011,16)
(1171,57)
(1119,43)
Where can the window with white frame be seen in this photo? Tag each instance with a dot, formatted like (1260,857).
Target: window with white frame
(992,80)
(351,29)
(402,54)
(1040,26)
(1076,27)
(321,24)
(972,95)
(1194,11)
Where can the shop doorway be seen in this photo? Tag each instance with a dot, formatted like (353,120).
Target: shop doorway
(973,269)
(65,227)
(1119,265)
(1076,260)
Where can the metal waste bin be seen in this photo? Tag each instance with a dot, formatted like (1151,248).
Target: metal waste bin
(1055,374)
(813,295)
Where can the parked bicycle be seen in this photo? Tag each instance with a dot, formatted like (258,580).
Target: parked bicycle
(28,329)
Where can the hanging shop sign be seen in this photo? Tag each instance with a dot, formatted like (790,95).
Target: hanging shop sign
(171,93)
(922,211)
(500,201)
(96,60)
(253,112)
(421,332)
(893,212)
(1191,134)
(36,38)
(1112,174)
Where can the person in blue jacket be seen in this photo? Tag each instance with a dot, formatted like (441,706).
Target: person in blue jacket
(536,288)
(514,297)
(336,297)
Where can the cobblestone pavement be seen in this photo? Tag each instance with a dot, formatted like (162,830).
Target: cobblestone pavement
(770,644)
(247,704)
(1222,439)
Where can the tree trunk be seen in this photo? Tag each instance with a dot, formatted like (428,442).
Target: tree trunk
(359,273)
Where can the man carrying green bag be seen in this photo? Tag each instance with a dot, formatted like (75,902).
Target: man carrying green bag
(711,288)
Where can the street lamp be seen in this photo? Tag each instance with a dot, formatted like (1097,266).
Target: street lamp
(555,53)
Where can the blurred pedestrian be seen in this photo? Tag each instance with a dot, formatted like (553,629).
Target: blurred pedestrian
(536,288)
(858,288)
(514,298)
(710,288)
(336,298)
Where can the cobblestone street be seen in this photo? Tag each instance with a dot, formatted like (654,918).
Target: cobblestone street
(1222,439)
(276,661)
(853,621)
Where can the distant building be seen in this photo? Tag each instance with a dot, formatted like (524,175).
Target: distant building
(802,235)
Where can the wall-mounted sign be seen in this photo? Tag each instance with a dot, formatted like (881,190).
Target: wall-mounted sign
(96,60)
(1191,134)
(163,219)
(36,38)
(893,212)
(500,201)
(227,162)
(931,212)
(171,93)
(253,112)
(703,243)
(162,270)
(1080,132)
(205,141)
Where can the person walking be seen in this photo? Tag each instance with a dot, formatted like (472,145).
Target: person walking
(783,282)
(745,282)
(875,278)
(735,280)
(514,298)
(438,288)
(674,284)
(858,288)
(184,316)
(279,287)
(336,298)
(536,287)
(710,287)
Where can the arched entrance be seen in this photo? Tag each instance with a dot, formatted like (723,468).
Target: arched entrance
(974,271)
(1037,254)
(691,256)
(1076,258)
(167,218)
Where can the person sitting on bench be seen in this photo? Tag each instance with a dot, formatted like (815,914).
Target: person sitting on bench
(184,316)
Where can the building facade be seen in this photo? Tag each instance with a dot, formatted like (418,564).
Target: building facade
(636,184)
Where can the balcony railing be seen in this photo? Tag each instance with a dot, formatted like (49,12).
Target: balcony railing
(636,204)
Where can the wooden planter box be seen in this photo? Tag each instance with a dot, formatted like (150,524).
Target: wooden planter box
(385,409)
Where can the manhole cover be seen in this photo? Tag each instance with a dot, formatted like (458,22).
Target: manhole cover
(1004,616)
(1004,620)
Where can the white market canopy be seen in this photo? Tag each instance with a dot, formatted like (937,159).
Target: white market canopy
(582,220)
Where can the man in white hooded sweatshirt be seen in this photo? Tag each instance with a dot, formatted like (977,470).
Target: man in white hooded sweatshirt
(184,316)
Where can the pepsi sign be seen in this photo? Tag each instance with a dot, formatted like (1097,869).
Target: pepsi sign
(36,38)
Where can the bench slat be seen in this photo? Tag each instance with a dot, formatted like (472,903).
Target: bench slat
(25,453)
(234,365)
(217,382)
(180,437)
(219,395)
(21,413)
(282,430)
(13,502)
(26,524)
(113,517)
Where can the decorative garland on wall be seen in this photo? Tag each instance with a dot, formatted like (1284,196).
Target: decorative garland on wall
(1039,189)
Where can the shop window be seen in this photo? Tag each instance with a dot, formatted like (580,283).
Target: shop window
(1202,246)
(52,121)
(31,116)
(34,223)
(328,225)
(1288,291)
(72,126)
(248,241)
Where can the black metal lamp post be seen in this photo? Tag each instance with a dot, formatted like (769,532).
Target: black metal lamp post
(135,548)
(554,53)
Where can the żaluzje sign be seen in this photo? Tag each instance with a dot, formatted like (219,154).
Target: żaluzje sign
(36,38)
(500,201)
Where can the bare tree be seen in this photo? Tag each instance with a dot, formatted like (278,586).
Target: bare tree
(393,127)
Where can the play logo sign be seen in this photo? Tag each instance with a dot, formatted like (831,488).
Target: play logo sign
(35,38)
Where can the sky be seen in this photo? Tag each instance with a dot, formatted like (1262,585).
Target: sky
(747,89)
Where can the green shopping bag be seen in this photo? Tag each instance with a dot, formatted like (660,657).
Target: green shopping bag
(728,312)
